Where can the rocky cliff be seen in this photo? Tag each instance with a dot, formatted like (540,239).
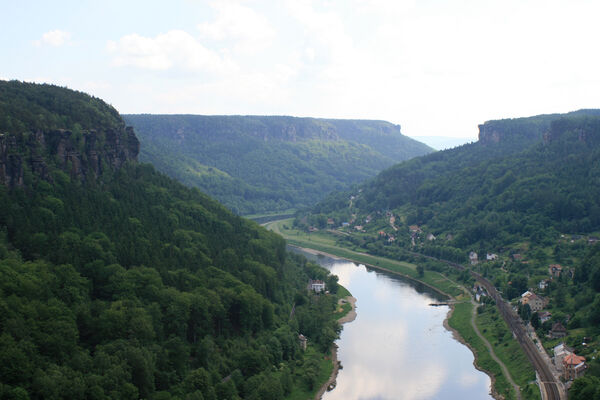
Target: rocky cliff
(46,127)
(82,155)
(521,132)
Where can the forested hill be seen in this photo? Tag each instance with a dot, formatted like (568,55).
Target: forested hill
(521,207)
(510,155)
(254,164)
(122,283)
(45,127)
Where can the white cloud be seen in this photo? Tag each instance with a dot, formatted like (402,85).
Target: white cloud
(249,30)
(54,38)
(174,49)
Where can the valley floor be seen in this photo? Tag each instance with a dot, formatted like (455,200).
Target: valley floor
(496,353)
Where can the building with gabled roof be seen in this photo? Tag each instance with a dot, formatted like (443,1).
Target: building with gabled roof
(558,331)
(555,270)
(573,366)
(536,303)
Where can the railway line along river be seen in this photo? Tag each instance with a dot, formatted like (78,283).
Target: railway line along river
(398,347)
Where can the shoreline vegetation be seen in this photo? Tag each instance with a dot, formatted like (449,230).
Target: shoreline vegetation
(344,319)
(457,320)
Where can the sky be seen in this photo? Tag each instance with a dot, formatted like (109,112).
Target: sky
(437,68)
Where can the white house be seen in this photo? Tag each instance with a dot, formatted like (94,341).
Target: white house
(316,285)
(473,258)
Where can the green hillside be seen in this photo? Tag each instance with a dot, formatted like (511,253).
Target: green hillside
(527,195)
(118,282)
(255,164)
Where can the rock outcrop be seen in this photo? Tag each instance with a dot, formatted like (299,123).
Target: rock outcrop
(83,156)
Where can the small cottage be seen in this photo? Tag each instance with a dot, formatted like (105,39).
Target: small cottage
(558,331)
(491,256)
(544,316)
(316,285)
(555,270)
(303,341)
(473,258)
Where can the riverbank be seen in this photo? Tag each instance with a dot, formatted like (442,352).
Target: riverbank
(483,360)
(349,317)
(477,359)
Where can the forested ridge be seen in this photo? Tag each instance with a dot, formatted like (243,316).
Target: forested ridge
(524,198)
(127,284)
(255,164)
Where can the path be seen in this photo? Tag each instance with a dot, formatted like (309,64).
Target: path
(487,343)
(491,351)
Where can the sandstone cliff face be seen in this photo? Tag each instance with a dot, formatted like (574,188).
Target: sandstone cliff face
(488,134)
(82,156)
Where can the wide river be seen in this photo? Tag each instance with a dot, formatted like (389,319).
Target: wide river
(397,347)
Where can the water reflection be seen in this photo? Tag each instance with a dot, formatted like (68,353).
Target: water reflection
(397,348)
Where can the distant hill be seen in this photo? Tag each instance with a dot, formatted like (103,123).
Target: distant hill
(442,142)
(255,164)
(528,170)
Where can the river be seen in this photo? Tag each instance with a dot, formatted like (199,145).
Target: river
(397,347)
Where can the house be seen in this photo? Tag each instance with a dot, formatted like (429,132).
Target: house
(573,366)
(473,258)
(479,292)
(316,285)
(555,270)
(517,257)
(543,284)
(560,352)
(391,239)
(430,237)
(593,239)
(358,227)
(382,233)
(415,229)
(544,316)
(491,256)
(345,224)
(536,303)
(303,341)
(330,221)
(313,229)
(558,331)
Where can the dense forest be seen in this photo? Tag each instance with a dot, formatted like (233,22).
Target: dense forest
(254,164)
(123,283)
(524,197)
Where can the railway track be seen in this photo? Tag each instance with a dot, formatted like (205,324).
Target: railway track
(549,386)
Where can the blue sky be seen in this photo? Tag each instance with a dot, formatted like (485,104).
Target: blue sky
(436,67)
